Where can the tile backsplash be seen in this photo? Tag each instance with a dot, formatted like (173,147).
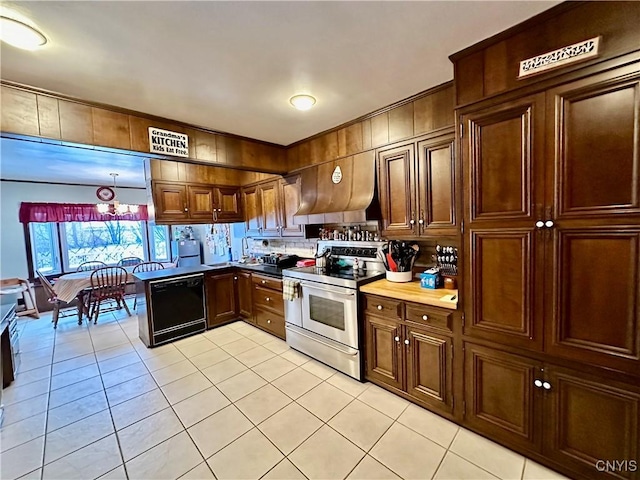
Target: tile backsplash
(294,246)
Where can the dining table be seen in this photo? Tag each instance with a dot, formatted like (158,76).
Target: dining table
(74,285)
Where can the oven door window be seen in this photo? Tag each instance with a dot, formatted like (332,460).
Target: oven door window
(327,311)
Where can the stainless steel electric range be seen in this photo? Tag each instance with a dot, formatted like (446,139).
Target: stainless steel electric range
(323,322)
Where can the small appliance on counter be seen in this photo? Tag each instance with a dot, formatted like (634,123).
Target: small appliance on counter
(281,260)
(188,252)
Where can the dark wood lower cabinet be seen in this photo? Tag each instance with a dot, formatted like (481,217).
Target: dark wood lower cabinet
(243,286)
(383,351)
(267,304)
(585,423)
(221,298)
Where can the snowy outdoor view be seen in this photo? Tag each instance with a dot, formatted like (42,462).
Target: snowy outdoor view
(107,242)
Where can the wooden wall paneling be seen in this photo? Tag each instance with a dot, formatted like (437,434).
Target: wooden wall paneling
(366,134)
(232,149)
(76,122)
(324,148)
(19,112)
(205,146)
(293,158)
(443,105)
(139,131)
(350,140)
(468,71)
(111,129)
(497,68)
(380,130)
(48,116)
(304,155)
(401,122)
(249,154)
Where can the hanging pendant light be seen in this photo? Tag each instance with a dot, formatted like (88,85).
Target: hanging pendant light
(115,208)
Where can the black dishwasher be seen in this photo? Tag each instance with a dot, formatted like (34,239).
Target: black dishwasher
(177,307)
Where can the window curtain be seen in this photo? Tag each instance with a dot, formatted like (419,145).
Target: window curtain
(73,212)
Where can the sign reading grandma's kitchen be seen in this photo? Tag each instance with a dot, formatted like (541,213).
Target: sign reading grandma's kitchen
(547,61)
(168,143)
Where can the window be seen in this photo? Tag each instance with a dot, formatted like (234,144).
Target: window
(62,247)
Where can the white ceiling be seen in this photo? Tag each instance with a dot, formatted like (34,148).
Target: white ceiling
(232,66)
(43,162)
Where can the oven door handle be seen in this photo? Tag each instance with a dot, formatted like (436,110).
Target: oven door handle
(326,288)
(317,338)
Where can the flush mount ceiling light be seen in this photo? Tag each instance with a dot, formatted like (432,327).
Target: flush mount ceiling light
(20,34)
(302,102)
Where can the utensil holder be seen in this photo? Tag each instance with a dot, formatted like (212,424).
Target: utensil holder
(399,277)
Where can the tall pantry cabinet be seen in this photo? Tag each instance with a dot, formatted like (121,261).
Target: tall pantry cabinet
(551,210)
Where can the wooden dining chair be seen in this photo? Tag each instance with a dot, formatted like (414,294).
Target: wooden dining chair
(92,265)
(53,299)
(146,267)
(107,283)
(130,261)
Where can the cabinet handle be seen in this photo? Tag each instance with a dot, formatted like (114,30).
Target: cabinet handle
(539,224)
(425,317)
(235,278)
(380,307)
(406,342)
(397,339)
(263,282)
(546,385)
(548,223)
(268,321)
(267,299)
(537,383)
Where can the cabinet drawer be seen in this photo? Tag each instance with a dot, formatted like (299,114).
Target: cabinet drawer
(429,316)
(267,282)
(268,298)
(386,307)
(270,321)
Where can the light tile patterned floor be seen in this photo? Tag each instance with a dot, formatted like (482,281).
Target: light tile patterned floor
(92,402)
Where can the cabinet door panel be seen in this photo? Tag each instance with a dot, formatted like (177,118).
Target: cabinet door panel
(251,211)
(170,201)
(591,320)
(500,396)
(384,355)
(596,151)
(221,299)
(200,202)
(504,279)
(397,190)
(269,209)
(501,155)
(429,368)
(227,200)
(245,302)
(290,204)
(588,421)
(436,185)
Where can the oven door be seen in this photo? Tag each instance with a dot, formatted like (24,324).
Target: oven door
(331,311)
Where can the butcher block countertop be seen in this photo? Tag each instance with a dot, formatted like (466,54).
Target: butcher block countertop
(413,292)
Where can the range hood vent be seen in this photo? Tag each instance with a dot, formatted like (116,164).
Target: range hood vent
(353,200)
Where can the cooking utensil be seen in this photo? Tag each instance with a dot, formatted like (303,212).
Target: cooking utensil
(393,266)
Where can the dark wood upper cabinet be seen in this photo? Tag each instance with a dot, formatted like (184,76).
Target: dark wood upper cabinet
(227,204)
(170,201)
(200,202)
(289,205)
(269,204)
(437,186)
(251,204)
(396,174)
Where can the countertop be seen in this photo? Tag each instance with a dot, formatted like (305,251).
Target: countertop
(254,267)
(6,310)
(413,292)
(172,272)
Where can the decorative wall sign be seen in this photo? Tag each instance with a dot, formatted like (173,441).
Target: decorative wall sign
(336,176)
(105,194)
(168,143)
(570,54)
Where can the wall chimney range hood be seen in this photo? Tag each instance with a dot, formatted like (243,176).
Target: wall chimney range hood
(353,199)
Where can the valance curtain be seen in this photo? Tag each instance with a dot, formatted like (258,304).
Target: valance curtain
(72,212)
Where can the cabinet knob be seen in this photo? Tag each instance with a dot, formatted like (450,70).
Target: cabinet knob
(263,282)
(537,383)
(267,299)
(235,278)
(425,317)
(406,342)
(186,209)
(412,222)
(268,321)
(397,339)
(380,307)
(421,221)
(539,224)
(548,223)
(546,385)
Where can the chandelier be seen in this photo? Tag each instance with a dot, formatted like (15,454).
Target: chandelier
(115,208)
